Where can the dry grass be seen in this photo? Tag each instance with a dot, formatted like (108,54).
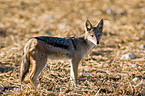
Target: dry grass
(101,72)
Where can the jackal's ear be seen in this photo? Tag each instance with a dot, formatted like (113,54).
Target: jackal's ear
(88,25)
(100,25)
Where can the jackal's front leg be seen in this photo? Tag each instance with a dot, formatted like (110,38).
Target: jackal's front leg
(74,70)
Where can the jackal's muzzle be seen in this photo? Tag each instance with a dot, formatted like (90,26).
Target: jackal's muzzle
(98,42)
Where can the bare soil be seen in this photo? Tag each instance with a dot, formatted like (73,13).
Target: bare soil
(101,72)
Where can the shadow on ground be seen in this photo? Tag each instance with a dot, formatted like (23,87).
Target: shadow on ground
(5,68)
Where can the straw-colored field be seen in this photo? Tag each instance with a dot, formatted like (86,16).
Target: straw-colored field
(101,72)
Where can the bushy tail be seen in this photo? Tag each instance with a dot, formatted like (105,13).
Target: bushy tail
(25,60)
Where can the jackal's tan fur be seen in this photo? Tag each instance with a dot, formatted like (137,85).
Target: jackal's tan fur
(38,49)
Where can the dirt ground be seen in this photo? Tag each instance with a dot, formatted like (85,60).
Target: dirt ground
(101,72)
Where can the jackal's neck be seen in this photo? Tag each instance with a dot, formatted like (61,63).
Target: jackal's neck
(91,44)
(88,46)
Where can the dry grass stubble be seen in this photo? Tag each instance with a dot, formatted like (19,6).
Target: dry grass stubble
(102,72)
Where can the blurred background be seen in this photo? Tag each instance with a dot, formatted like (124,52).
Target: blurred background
(124,32)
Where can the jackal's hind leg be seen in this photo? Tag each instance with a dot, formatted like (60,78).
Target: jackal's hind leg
(74,70)
(37,65)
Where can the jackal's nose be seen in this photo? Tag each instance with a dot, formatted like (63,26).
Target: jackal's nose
(97,42)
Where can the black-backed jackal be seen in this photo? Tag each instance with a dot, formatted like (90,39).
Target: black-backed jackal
(38,49)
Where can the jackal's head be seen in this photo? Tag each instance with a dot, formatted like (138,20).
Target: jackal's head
(94,34)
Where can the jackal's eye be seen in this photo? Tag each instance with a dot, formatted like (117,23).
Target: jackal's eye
(92,35)
(99,35)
